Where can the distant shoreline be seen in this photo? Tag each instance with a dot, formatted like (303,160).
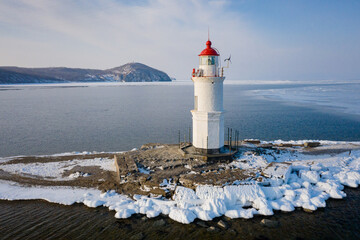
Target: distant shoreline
(176,82)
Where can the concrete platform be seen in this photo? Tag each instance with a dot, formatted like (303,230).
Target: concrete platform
(189,151)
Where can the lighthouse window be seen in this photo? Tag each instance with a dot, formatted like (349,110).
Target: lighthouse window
(207,60)
(196,103)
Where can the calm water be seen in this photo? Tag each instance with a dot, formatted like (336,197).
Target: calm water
(53,119)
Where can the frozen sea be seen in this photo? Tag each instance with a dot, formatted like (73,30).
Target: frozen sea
(55,118)
(59,118)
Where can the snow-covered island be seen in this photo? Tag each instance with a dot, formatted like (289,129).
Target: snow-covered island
(263,178)
(130,72)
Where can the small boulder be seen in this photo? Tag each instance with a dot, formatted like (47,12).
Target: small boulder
(138,236)
(142,179)
(212,229)
(269,223)
(252,141)
(267,145)
(308,210)
(202,224)
(159,223)
(285,145)
(223,224)
(232,232)
(311,144)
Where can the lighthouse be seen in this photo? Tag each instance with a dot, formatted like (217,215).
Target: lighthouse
(208,112)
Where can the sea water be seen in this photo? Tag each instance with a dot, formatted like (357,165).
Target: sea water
(54,118)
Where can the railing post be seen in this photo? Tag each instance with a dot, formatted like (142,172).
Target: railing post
(189,134)
(230,139)
(207,143)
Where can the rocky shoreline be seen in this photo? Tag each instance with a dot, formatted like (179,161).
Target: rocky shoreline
(159,179)
(153,163)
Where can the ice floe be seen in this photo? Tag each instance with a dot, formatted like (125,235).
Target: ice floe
(341,97)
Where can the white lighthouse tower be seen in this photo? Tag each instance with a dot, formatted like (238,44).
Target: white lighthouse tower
(208,112)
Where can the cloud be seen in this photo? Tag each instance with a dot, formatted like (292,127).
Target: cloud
(162,33)
(165,34)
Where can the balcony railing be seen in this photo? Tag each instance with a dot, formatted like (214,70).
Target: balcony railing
(200,73)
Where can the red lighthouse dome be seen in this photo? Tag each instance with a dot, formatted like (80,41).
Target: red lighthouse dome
(209,51)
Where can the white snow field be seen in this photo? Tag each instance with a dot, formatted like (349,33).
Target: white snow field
(55,170)
(309,181)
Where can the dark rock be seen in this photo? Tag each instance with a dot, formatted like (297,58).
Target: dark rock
(212,229)
(214,177)
(311,144)
(142,179)
(261,237)
(138,236)
(308,210)
(176,179)
(232,232)
(269,223)
(268,145)
(202,224)
(159,223)
(223,224)
(124,165)
(252,141)
(285,145)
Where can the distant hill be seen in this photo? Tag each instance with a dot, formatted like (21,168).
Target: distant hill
(130,72)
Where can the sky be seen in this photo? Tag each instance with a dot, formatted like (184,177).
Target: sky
(268,40)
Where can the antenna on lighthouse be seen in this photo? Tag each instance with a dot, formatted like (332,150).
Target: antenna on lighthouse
(208,34)
(228,60)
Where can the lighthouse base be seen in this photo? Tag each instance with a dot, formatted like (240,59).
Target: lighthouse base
(209,151)
(208,131)
(209,155)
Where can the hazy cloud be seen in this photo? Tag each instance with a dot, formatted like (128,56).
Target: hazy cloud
(165,34)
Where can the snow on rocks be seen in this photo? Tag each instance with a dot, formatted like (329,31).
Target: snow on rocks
(78,174)
(309,176)
(167,185)
(241,213)
(202,214)
(216,206)
(272,193)
(55,170)
(306,182)
(61,195)
(243,194)
(184,193)
(262,205)
(279,170)
(182,215)
(124,213)
(348,178)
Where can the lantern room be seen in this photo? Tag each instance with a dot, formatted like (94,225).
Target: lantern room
(209,62)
